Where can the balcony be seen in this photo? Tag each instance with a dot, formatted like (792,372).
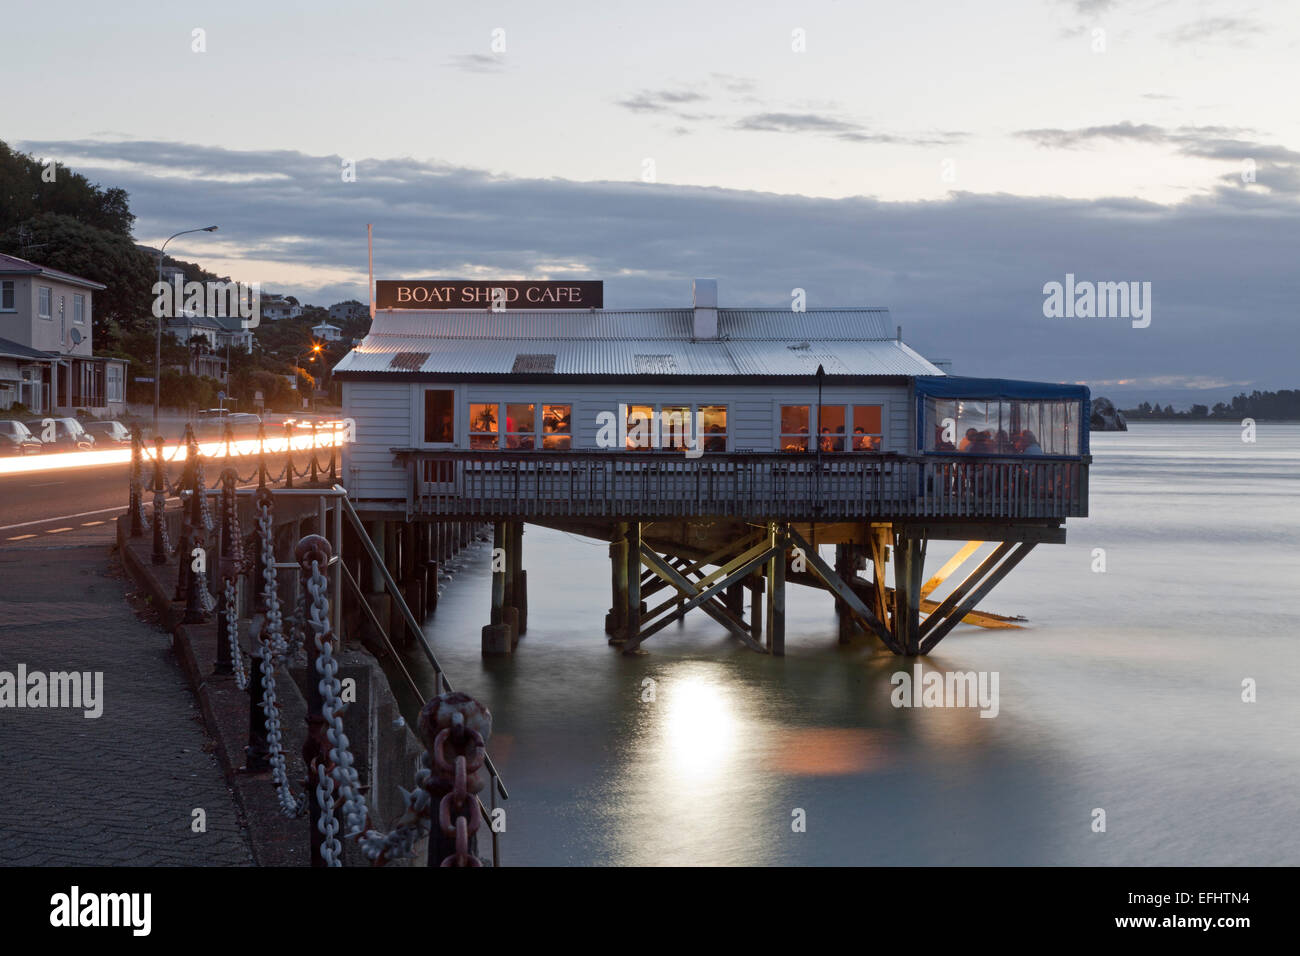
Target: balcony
(649,486)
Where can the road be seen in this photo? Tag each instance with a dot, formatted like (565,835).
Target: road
(78,504)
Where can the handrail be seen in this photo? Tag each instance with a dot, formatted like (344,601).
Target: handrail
(411,622)
(415,689)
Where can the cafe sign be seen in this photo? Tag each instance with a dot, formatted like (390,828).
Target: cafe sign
(496,296)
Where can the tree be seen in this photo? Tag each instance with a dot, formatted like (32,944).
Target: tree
(69,245)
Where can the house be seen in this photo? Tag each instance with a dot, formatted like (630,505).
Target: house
(744,439)
(326,332)
(210,338)
(351,309)
(277,307)
(48,314)
(723,382)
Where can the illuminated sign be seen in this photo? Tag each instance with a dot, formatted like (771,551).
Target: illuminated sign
(497,296)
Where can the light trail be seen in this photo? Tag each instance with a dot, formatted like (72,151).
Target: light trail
(239,448)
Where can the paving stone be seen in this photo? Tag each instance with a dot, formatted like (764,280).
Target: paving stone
(119,789)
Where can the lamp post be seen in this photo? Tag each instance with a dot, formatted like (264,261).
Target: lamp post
(157,355)
(313,351)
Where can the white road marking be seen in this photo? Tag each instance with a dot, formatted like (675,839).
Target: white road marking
(20,537)
(47,484)
(87,524)
(57,530)
(83,514)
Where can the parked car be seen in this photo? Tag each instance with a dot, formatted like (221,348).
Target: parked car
(109,433)
(69,435)
(17,439)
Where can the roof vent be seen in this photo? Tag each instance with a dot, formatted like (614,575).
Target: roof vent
(704,292)
(526,363)
(408,361)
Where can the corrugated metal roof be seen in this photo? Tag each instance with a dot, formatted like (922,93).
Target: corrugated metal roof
(628,357)
(642,342)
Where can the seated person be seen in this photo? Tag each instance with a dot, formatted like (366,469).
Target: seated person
(968,442)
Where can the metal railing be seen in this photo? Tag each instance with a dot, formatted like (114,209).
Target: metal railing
(532,484)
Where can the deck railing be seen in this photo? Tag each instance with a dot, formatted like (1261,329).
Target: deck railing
(648,485)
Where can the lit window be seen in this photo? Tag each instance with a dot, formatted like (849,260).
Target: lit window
(675,428)
(713,419)
(867,434)
(483,432)
(640,426)
(794,428)
(557,428)
(830,424)
(520,426)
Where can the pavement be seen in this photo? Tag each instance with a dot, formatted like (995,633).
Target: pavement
(123,788)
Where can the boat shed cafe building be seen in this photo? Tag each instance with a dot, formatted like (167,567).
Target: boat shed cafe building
(530,402)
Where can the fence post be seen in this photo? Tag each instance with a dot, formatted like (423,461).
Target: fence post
(316,748)
(159,504)
(226,570)
(314,475)
(137,484)
(261,455)
(288,450)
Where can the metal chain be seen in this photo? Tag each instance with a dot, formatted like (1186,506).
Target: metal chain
(199,490)
(355,811)
(232,631)
(274,649)
(159,506)
(330,849)
(458,813)
(400,842)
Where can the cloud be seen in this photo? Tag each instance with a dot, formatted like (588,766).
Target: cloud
(816,123)
(478,62)
(964,275)
(1205,142)
(1234,31)
(660,101)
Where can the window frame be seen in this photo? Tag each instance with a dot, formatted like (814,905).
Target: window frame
(45,300)
(502,436)
(10,286)
(693,407)
(78,309)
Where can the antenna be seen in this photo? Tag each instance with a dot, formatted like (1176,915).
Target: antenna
(370,246)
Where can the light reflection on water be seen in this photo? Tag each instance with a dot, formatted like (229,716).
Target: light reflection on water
(1123,693)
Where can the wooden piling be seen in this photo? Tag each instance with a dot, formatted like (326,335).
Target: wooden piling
(616,619)
(633,626)
(776,590)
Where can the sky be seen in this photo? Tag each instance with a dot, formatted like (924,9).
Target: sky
(945,160)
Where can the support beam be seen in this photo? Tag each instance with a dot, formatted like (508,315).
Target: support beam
(938,634)
(959,592)
(633,588)
(705,600)
(843,591)
(953,563)
(778,541)
(616,620)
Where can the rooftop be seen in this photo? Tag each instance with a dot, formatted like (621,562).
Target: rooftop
(624,343)
(12,265)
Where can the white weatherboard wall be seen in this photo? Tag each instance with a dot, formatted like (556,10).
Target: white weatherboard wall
(389,415)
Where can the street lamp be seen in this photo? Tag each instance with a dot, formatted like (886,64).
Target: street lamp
(313,351)
(157,355)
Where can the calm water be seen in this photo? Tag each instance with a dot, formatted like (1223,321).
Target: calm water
(1123,692)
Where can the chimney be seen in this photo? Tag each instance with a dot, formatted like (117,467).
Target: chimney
(704,292)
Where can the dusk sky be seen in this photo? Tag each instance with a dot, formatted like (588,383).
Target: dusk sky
(944,160)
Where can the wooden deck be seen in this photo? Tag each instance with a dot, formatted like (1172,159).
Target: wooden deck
(646,486)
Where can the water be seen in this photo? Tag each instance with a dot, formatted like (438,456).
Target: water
(1123,693)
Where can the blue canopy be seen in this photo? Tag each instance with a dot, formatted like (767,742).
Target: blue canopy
(959,388)
(988,389)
